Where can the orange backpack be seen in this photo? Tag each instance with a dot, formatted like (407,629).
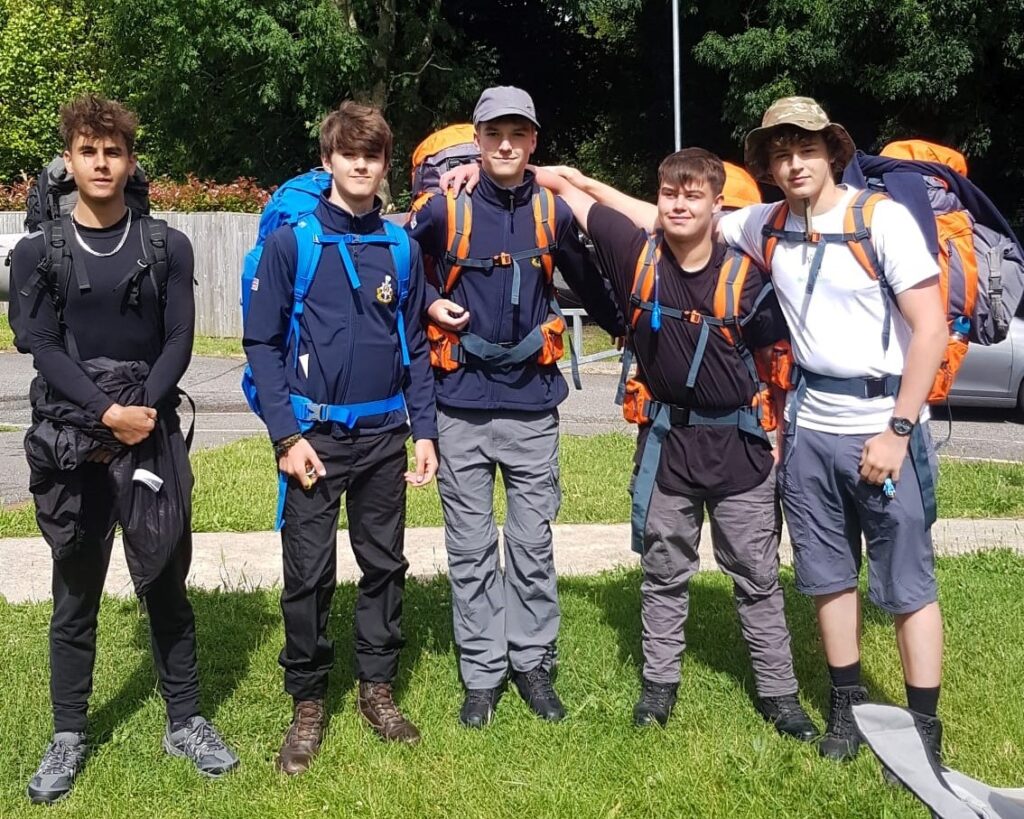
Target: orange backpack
(981,271)
(440,152)
(638,404)
(740,188)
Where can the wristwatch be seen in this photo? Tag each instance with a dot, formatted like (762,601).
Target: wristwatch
(901,426)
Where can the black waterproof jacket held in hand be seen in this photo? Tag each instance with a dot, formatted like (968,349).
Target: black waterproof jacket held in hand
(61,437)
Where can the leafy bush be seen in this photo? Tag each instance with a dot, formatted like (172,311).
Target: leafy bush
(241,196)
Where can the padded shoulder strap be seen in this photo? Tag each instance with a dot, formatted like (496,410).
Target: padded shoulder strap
(729,291)
(776,222)
(154,246)
(644,275)
(308,249)
(857,224)
(546,228)
(401,253)
(460,223)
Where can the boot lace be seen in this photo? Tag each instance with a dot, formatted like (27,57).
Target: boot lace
(308,716)
(656,695)
(381,700)
(840,712)
(60,759)
(203,740)
(539,682)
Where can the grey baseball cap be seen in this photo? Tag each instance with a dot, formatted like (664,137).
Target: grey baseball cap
(504,101)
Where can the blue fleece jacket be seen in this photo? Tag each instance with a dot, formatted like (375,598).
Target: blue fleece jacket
(503,221)
(348,342)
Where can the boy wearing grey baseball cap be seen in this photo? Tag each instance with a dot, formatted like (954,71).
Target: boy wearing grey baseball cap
(496,337)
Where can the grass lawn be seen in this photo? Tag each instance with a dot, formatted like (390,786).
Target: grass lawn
(716,758)
(236,488)
(6,334)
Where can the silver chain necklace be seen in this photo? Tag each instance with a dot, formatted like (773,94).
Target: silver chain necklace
(87,249)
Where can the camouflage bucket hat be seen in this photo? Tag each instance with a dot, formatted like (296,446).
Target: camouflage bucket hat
(803,112)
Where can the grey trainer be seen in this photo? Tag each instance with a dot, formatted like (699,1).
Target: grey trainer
(60,765)
(197,740)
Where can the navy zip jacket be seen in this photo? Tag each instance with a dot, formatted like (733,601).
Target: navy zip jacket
(902,178)
(348,340)
(503,221)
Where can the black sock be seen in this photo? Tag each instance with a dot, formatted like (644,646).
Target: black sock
(923,700)
(844,676)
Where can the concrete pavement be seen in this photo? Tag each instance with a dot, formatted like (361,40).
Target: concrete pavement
(250,560)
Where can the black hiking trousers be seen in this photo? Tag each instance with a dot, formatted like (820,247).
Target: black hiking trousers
(77,590)
(368,471)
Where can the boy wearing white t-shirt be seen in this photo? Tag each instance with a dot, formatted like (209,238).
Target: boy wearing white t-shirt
(860,294)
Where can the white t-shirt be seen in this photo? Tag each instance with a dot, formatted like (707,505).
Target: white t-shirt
(837,330)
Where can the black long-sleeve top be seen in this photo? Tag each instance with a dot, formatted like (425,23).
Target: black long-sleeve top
(101,321)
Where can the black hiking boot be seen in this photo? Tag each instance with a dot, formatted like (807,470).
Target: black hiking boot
(479,706)
(930,729)
(537,691)
(655,704)
(842,740)
(788,717)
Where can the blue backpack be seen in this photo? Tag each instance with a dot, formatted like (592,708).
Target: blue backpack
(293,204)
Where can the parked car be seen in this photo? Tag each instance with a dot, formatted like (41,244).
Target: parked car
(993,376)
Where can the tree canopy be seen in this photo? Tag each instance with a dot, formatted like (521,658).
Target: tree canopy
(237,87)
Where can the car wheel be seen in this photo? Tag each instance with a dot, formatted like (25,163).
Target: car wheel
(1020,399)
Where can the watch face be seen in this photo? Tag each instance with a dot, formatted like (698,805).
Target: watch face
(901,426)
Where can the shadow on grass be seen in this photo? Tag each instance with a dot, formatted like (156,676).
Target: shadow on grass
(426,626)
(230,627)
(713,636)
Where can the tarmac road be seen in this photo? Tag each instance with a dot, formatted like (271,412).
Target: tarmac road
(222,416)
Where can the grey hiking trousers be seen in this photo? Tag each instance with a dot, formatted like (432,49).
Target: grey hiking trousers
(745,531)
(509,617)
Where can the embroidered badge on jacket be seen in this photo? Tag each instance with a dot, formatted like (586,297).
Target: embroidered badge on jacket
(386,292)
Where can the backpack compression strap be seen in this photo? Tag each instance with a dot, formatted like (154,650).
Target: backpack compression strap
(856,236)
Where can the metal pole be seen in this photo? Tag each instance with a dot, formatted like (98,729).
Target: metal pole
(675,74)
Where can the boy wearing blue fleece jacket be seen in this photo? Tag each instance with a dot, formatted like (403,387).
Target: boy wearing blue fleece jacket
(351,356)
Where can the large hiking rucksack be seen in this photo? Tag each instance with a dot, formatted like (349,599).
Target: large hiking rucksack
(981,261)
(293,204)
(440,152)
(55,194)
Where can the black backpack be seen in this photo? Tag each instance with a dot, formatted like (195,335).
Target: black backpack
(54,195)
(65,260)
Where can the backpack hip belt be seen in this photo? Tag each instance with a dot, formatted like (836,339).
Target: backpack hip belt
(662,418)
(308,413)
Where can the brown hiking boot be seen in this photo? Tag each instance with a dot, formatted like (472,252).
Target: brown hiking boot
(377,705)
(302,742)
